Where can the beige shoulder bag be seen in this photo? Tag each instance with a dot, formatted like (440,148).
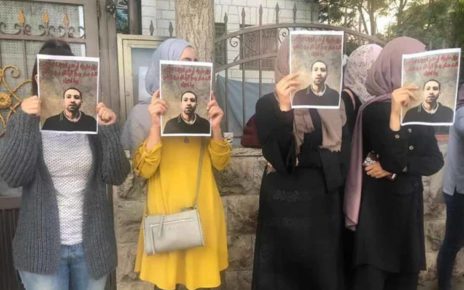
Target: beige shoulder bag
(177,231)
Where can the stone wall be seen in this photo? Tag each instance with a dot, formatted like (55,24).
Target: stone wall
(434,223)
(129,203)
(239,186)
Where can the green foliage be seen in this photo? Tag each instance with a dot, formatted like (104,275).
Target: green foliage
(438,24)
(457,20)
(348,12)
(457,34)
(336,11)
(433,23)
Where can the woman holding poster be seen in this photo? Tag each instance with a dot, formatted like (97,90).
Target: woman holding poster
(383,193)
(65,234)
(171,164)
(298,239)
(354,94)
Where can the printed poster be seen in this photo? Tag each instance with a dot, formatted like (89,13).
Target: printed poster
(68,89)
(186,87)
(317,57)
(436,74)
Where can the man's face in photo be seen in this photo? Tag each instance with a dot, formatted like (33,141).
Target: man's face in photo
(189,103)
(431,91)
(72,100)
(319,73)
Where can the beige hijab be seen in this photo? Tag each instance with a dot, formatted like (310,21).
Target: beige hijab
(332,119)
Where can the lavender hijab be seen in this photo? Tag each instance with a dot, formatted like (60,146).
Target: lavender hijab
(357,65)
(138,122)
(332,120)
(382,79)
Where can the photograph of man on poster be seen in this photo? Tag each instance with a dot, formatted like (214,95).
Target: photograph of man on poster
(430,110)
(71,118)
(188,121)
(318,93)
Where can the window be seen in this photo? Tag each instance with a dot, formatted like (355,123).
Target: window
(122,16)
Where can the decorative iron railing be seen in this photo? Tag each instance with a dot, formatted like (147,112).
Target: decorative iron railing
(23,30)
(9,98)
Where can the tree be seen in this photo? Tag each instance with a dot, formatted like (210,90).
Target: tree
(195,23)
(400,6)
(372,8)
(360,15)
(456,35)
(431,23)
(337,12)
(457,20)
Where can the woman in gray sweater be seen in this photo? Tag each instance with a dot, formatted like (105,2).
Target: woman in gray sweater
(65,236)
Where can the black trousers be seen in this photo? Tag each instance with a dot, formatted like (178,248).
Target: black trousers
(368,277)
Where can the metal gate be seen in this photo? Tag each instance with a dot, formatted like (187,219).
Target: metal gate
(24,26)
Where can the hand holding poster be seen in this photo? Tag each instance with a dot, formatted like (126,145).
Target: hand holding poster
(68,90)
(317,58)
(435,74)
(186,88)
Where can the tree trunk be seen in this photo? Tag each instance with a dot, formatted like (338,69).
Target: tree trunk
(399,15)
(361,14)
(195,23)
(372,20)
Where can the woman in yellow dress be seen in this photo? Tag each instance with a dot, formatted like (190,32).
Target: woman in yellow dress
(170,164)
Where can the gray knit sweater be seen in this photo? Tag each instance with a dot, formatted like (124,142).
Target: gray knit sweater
(36,246)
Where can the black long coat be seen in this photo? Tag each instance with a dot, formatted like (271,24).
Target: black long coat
(390,233)
(298,240)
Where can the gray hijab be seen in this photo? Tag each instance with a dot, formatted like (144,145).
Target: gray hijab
(170,49)
(138,122)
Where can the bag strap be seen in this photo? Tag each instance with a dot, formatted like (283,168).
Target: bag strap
(350,93)
(200,165)
(197,187)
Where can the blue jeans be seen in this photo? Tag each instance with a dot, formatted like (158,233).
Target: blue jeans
(72,274)
(454,239)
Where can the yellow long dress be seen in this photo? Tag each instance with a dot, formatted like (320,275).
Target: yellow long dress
(171,169)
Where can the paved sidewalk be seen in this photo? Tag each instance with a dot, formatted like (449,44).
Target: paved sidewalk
(458,285)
